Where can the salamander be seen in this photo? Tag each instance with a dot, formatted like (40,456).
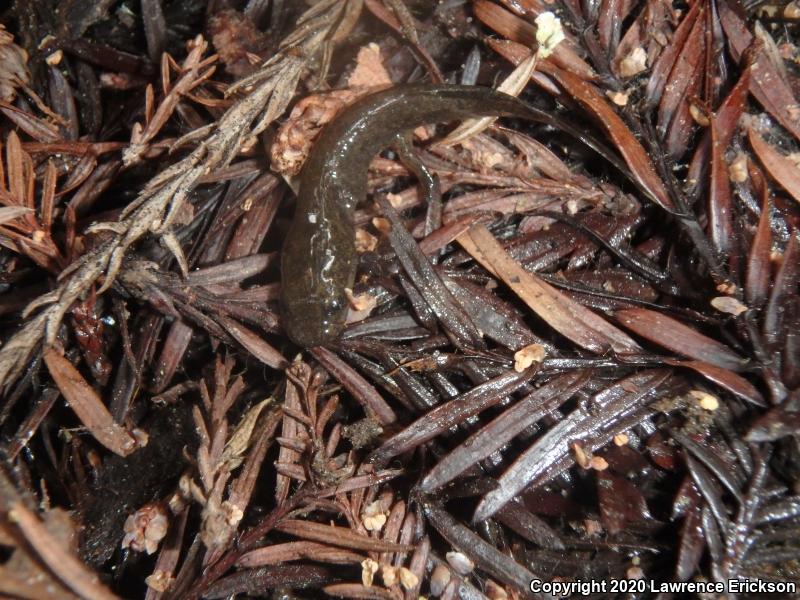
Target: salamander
(319,259)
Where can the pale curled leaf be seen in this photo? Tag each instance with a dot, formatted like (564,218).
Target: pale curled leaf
(633,63)
(512,85)
(519,31)
(10,213)
(239,440)
(728,304)
(549,33)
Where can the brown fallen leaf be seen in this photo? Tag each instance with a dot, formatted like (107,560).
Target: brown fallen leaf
(280,553)
(64,564)
(736,384)
(343,537)
(720,216)
(626,143)
(659,76)
(570,319)
(682,339)
(759,265)
(87,405)
(767,84)
(686,79)
(783,170)
(254,344)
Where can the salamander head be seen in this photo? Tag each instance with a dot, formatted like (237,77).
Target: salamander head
(314,321)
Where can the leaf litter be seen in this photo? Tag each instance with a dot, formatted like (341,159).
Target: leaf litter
(557,364)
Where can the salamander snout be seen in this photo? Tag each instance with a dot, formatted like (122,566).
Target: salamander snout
(314,321)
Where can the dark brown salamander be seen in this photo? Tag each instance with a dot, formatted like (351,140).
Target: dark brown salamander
(319,257)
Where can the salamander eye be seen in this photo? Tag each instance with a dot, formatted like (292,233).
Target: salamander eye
(336,304)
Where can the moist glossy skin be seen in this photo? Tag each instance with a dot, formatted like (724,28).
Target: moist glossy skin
(319,257)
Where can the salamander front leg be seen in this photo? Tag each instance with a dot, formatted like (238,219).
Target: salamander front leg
(429,180)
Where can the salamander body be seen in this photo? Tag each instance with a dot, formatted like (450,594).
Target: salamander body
(319,258)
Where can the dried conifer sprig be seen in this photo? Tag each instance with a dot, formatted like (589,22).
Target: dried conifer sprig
(25,224)
(224,448)
(268,92)
(153,212)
